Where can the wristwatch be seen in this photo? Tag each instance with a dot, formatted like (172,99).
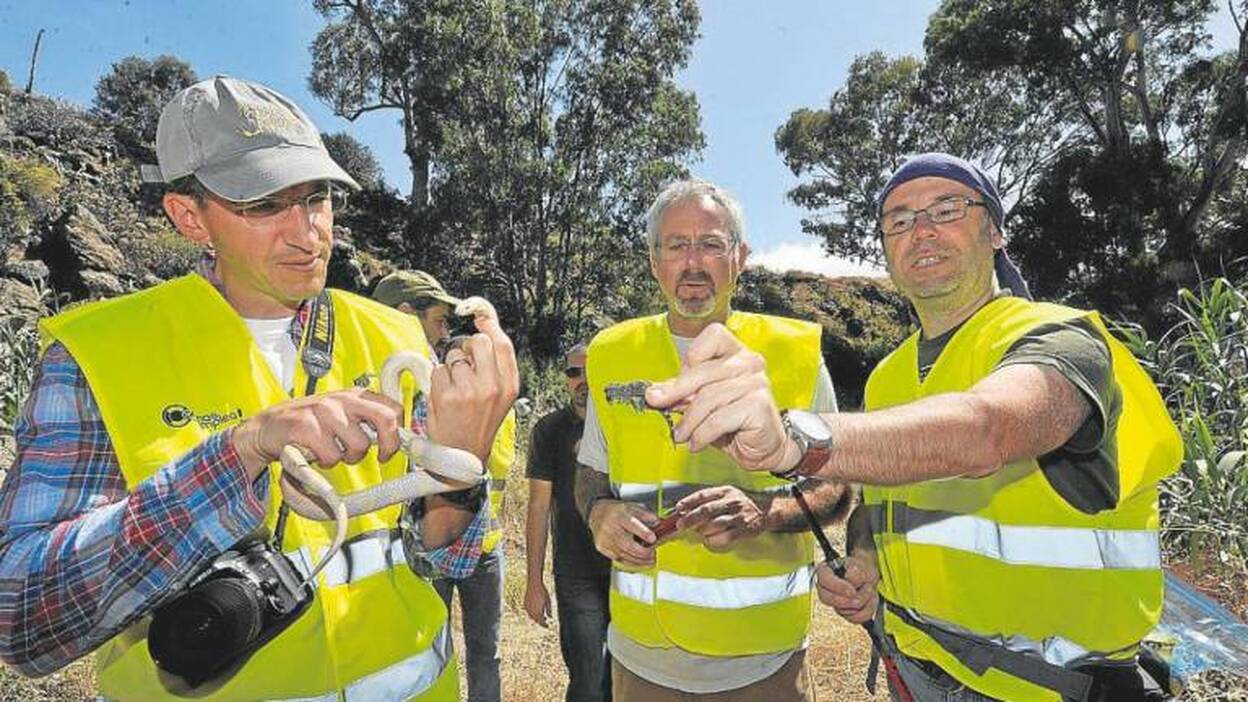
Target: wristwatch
(813,439)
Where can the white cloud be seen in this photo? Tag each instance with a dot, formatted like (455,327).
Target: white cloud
(810,257)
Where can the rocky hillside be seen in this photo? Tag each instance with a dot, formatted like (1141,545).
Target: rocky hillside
(76,224)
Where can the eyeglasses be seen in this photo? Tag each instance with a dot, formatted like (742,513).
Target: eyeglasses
(940,212)
(319,203)
(574,372)
(678,248)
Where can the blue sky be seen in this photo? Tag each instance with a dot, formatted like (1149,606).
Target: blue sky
(756,62)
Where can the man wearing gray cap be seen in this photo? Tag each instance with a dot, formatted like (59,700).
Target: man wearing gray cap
(1007,542)
(143,451)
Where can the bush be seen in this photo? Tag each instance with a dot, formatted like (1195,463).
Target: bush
(29,189)
(354,158)
(59,124)
(1201,368)
(166,254)
(136,90)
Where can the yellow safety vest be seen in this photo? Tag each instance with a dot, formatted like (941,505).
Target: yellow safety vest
(752,599)
(502,455)
(1005,557)
(375,631)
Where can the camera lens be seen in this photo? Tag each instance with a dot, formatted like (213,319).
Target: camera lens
(198,634)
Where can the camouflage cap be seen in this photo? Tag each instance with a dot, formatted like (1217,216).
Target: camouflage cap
(243,141)
(408,286)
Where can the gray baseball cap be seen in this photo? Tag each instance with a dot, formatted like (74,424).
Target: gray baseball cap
(242,141)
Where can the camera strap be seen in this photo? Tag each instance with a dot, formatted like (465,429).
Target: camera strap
(317,358)
(318,341)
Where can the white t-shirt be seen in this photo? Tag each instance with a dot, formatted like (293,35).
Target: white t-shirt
(278,349)
(675,668)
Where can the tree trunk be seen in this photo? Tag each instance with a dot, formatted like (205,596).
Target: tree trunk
(34,59)
(419,196)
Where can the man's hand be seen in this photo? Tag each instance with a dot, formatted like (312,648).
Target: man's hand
(537,602)
(855,596)
(622,531)
(474,389)
(327,425)
(726,399)
(721,516)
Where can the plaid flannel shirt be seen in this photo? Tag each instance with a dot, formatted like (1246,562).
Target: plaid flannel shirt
(82,558)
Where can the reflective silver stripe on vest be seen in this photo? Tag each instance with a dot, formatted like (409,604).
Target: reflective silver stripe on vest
(673,491)
(365,555)
(712,593)
(407,678)
(1054,649)
(1048,546)
(327,697)
(498,484)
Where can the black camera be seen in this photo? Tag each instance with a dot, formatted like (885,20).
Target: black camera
(243,599)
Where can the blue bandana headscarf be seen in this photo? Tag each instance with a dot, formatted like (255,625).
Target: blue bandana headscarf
(940,165)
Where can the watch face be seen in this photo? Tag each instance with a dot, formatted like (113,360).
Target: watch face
(811,425)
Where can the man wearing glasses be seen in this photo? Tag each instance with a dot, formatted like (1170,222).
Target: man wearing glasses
(721,606)
(582,575)
(143,451)
(1007,542)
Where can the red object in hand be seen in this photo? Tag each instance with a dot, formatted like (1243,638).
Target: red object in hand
(666,526)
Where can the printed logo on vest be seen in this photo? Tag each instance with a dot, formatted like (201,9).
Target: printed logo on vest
(178,416)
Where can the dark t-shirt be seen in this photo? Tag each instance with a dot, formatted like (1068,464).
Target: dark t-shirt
(1084,470)
(552,456)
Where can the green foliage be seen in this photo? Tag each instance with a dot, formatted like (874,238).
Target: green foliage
(167,254)
(888,110)
(58,124)
(544,129)
(5,86)
(543,383)
(136,90)
(29,189)
(355,158)
(1116,134)
(1201,367)
(862,319)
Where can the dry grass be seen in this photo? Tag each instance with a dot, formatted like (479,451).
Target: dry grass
(533,668)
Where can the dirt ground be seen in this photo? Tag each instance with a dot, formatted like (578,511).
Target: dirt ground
(533,668)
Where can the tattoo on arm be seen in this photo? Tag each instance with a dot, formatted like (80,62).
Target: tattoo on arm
(591,484)
(830,500)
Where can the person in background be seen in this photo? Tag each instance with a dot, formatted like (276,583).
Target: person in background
(480,586)
(582,575)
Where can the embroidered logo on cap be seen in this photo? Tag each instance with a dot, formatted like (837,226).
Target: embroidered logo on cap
(257,119)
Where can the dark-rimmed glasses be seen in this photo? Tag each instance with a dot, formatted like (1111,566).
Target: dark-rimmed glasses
(943,211)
